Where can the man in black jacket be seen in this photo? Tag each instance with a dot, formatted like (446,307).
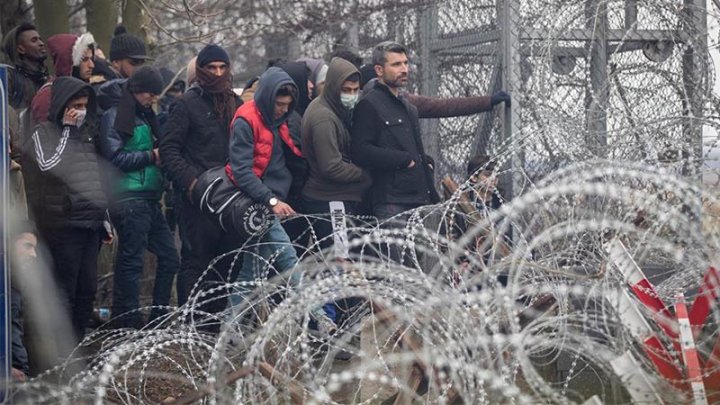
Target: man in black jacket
(196,139)
(386,139)
(26,52)
(129,132)
(66,195)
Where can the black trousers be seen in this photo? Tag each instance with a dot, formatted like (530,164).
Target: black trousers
(202,241)
(74,253)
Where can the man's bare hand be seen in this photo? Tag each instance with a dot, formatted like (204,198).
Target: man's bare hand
(411,165)
(18,375)
(283,210)
(156,157)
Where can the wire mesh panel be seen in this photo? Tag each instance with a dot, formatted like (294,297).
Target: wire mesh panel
(615,79)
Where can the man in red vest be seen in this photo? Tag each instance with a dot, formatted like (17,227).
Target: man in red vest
(259,140)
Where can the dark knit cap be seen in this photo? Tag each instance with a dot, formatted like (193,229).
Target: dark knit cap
(367,73)
(168,76)
(212,53)
(127,46)
(146,79)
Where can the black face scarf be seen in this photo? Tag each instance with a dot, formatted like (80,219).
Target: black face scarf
(220,90)
(127,109)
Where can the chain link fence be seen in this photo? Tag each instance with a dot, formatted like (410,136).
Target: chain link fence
(592,79)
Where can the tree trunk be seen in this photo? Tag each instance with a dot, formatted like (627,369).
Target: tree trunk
(101,20)
(133,18)
(51,17)
(12,14)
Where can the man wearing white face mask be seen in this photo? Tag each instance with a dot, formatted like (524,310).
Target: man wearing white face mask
(326,146)
(65,193)
(333,177)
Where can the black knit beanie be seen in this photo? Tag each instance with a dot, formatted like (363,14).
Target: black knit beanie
(212,53)
(146,79)
(127,46)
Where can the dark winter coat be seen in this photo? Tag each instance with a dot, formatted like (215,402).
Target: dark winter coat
(385,139)
(195,138)
(18,350)
(63,175)
(138,177)
(326,143)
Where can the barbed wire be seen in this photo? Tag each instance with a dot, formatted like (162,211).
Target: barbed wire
(546,299)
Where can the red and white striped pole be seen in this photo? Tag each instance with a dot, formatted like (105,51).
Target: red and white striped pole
(642,287)
(636,323)
(689,351)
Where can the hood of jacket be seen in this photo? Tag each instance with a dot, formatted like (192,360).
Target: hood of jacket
(338,72)
(109,93)
(315,66)
(10,47)
(60,48)
(300,74)
(63,88)
(268,86)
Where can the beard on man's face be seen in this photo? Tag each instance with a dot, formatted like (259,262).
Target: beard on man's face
(396,81)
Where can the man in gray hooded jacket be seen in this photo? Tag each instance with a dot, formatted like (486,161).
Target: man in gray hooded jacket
(259,134)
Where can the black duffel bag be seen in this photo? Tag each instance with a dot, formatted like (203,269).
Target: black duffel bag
(219,198)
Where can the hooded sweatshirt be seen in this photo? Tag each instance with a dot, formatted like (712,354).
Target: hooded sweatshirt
(318,71)
(66,51)
(276,179)
(63,180)
(300,74)
(26,77)
(326,143)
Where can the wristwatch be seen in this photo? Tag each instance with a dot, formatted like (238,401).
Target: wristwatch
(273,202)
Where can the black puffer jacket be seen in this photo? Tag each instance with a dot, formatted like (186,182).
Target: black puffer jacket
(195,138)
(63,175)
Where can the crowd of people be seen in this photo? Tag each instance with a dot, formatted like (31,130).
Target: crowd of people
(105,148)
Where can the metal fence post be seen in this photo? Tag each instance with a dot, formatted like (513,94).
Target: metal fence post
(695,25)
(599,92)
(428,28)
(511,77)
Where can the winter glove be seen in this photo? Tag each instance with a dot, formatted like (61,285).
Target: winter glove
(500,97)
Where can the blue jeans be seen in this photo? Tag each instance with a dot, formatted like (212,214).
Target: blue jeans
(141,226)
(272,253)
(273,245)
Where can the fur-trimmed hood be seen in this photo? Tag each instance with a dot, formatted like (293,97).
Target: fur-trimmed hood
(83,42)
(67,50)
